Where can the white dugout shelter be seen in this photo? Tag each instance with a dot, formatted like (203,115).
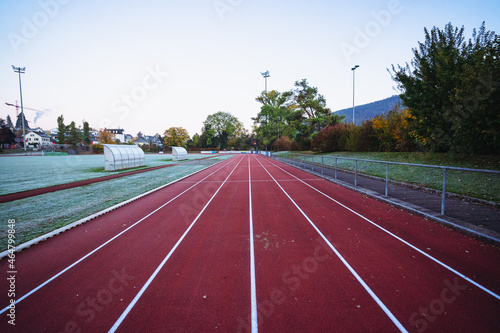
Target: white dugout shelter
(118,157)
(179,153)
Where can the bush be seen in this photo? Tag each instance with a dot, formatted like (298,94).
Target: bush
(284,143)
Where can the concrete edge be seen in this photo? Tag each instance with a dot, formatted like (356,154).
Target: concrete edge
(93,216)
(483,234)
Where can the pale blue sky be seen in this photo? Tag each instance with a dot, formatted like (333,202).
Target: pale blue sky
(149,65)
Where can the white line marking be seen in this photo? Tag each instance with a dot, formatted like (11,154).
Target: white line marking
(104,244)
(353,272)
(152,277)
(399,238)
(253,289)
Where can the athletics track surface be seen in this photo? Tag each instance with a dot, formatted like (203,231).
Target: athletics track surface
(322,259)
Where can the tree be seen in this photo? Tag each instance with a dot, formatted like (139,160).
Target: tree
(61,135)
(9,122)
(275,116)
(175,136)
(313,105)
(86,133)
(106,137)
(6,134)
(74,134)
(219,128)
(451,92)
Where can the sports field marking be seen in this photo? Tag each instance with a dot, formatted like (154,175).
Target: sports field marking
(398,238)
(104,244)
(164,261)
(253,289)
(353,272)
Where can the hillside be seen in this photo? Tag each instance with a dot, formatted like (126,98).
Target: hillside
(370,110)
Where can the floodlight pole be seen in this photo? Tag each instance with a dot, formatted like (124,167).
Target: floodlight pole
(266,75)
(20,71)
(353,77)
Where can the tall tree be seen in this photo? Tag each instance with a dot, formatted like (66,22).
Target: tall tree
(74,134)
(176,136)
(221,127)
(451,90)
(61,135)
(275,116)
(86,133)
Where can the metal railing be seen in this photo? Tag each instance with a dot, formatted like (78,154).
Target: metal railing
(318,162)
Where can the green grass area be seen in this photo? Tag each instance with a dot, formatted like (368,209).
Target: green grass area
(473,184)
(44,213)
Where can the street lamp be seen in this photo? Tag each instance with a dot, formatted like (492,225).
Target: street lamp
(265,75)
(353,71)
(20,71)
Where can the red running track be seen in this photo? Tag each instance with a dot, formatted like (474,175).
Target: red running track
(321,258)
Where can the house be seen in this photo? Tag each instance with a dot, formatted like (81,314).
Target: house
(141,142)
(38,138)
(154,141)
(129,138)
(118,132)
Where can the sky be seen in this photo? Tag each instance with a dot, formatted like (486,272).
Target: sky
(154,64)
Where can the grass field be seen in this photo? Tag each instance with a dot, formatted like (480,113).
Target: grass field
(41,214)
(22,173)
(477,185)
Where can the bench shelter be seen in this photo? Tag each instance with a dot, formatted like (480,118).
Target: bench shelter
(118,157)
(179,153)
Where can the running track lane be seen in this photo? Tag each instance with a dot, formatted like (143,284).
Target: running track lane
(92,294)
(421,292)
(295,269)
(205,285)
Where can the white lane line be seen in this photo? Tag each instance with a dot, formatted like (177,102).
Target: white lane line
(400,239)
(253,289)
(164,261)
(353,272)
(104,244)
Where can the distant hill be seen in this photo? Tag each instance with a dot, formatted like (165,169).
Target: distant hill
(370,110)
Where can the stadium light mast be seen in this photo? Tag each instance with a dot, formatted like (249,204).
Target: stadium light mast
(20,71)
(353,77)
(266,75)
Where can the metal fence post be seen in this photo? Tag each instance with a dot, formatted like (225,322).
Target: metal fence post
(444,191)
(386,179)
(312,163)
(335,168)
(355,172)
(322,165)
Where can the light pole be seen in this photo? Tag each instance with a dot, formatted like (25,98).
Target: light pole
(353,77)
(266,75)
(20,71)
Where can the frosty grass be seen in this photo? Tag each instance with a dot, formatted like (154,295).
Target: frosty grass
(36,216)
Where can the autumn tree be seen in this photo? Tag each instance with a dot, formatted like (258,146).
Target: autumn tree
(106,137)
(175,136)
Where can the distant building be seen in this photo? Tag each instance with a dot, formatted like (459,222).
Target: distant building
(118,133)
(129,138)
(38,138)
(141,142)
